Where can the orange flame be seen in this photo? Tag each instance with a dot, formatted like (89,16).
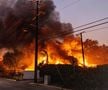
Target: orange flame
(71,47)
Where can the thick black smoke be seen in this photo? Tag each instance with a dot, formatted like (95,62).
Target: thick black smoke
(18,26)
(17,22)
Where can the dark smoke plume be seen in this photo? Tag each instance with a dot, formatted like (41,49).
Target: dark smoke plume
(17,23)
(18,27)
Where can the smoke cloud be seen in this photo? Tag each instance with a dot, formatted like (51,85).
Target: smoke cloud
(17,25)
(18,31)
(17,22)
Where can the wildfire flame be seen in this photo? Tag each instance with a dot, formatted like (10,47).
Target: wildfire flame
(56,53)
(18,33)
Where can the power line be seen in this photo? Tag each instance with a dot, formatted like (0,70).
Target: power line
(67,33)
(70,4)
(92,26)
(96,21)
(84,29)
(95,29)
(91,22)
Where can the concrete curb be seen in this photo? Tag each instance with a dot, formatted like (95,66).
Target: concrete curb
(38,84)
(50,86)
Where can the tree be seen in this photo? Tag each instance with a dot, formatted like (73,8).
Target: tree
(11,59)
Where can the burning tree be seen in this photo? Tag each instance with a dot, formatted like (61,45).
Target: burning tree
(11,60)
(96,53)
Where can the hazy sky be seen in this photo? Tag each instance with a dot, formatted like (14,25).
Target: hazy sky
(79,12)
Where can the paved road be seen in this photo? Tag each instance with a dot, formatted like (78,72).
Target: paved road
(8,84)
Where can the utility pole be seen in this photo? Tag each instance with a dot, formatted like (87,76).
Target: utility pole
(36,41)
(82,45)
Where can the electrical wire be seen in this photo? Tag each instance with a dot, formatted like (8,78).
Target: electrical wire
(96,29)
(91,22)
(73,3)
(68,33)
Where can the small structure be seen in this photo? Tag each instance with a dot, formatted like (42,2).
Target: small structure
(28,75)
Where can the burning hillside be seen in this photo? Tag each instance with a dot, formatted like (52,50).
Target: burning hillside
(17,33)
